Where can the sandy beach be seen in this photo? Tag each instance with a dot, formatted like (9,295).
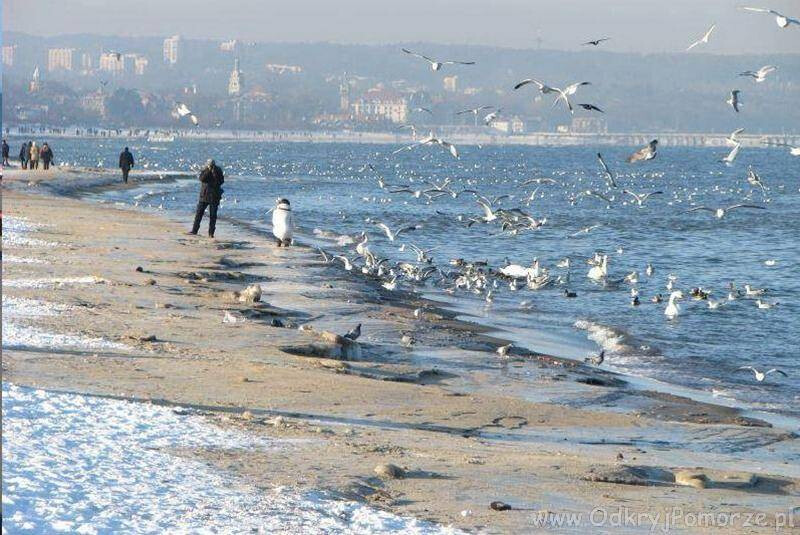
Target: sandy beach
(154,300)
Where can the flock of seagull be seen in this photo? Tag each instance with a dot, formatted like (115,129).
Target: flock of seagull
(479,278)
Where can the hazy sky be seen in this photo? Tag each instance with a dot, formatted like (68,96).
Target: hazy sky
(634,25)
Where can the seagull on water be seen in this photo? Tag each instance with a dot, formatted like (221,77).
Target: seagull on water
(794,151)
(436,64)
(781,20)
(704,39)
(597,360)
(760,376)
(733,100)
(644,154)
(761,74)
(720,212)
(503,350)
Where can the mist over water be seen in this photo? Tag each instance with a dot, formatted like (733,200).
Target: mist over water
(700,349)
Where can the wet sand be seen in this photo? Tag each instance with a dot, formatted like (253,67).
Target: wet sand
(443,410)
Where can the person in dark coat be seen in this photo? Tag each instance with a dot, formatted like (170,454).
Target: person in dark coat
(24,154)
(125,163)
(211,180)
(6,150)
(46,154)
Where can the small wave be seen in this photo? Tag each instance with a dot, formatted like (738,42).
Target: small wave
(614,340)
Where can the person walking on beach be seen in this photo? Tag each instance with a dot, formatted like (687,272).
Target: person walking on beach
(46,154)
(24,154)
(6,149)
(125,163)
(211,180)
(34,162)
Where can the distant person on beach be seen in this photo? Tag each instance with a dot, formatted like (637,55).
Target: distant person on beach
(24,154)
(211,180)
(6,149)
(34,161)
(125,163)
(46,154)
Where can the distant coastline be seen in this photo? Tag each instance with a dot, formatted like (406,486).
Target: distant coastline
(457,136)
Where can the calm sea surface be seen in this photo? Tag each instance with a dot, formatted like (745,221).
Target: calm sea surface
(701,349)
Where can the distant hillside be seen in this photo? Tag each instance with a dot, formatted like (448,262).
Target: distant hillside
(679,92)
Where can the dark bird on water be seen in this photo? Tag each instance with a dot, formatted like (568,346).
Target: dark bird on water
(354,333)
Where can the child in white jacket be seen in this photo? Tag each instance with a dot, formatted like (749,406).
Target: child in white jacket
(283,223)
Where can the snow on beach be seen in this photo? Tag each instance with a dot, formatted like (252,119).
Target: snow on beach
(81,464)
(14,230)
(18,334)
(52,282)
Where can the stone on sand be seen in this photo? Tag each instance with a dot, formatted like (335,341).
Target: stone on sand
(692,478)
(389,471)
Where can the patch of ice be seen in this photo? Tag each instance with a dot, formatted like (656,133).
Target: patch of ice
(53,282)
(19,224)
(93,465)
(15,240)
(22,307)
(12,259)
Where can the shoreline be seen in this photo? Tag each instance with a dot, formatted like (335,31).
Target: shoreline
(456,135)
(446,306)
(381,407)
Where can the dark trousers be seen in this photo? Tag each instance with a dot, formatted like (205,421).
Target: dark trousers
(24,163)
(5,160)
(46,164)
(34,164)
(125,171)
(212,217)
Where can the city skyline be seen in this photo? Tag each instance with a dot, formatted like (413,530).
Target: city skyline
(634,26)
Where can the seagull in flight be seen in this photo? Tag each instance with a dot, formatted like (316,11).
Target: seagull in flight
(423,109)
(732,154)
(644,154)
(704,39)
(755,180)
(761,74)
(595,42)
(436,64)
(590,107)
(182,110)
(393,234)
(609,175)
(490,117)
(719,213)
(641,198)
(431,140)
(474,111)
(565,94)
(732,140)
(733,100)
(781,20)
(760,376)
